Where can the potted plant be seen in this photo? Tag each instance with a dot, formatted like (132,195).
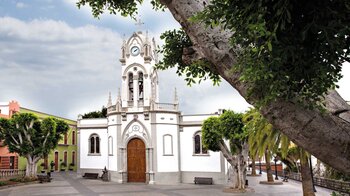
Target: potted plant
(71,166)
(63,166)
(52,164)
(42,167)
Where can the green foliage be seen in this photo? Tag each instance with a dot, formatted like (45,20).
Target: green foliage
(335,174)
(22,179)
(228,126)
(3,183)
(175,43)
(97,114)
(26,135)
(334,193)
(211,133)
(124,7)
(262,136)
(290,50)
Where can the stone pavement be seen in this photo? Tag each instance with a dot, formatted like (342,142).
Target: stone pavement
(67,183)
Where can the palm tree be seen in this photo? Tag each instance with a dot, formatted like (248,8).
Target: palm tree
(306,175)
(253,157)
(264,139)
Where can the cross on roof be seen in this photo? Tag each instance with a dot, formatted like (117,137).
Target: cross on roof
(139,23)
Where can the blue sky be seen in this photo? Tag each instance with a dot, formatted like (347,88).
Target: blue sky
(60,60)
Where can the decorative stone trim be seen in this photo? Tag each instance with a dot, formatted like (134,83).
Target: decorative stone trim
(94,154)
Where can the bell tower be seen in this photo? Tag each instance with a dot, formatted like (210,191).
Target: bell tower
(139,77)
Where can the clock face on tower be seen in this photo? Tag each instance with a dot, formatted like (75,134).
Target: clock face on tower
(135,50)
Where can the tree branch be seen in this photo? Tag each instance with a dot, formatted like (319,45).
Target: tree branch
(226,153)
(47,135)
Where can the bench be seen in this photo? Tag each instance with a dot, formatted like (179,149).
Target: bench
(44,178)
(203,180)
(90,175)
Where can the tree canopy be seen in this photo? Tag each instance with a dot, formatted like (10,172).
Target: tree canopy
(228,127)
(97,114)
(287,49)
(32,138)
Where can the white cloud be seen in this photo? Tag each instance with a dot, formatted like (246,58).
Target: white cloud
(53,67)
(20,5)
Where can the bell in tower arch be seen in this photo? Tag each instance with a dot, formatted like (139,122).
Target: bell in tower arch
(140,85)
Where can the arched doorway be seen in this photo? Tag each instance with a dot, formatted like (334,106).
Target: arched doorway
(136,153)
(56,161)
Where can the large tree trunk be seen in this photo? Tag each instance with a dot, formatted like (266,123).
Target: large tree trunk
(31,168)
(238,165)
(268,166)
(324,135)
(308,189)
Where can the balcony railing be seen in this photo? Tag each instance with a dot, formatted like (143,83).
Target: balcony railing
(153,106)
(11,173)
(166,106)
(337,185)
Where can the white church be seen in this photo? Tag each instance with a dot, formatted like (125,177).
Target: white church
(142,140)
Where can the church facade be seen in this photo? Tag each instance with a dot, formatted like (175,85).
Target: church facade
(143,140)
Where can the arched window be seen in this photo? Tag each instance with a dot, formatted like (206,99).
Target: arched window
(65,157)
(110,145)
(94,144)
(198,145)
(140,86)
(167,145)
(73,157)
(131,86)
(73,137)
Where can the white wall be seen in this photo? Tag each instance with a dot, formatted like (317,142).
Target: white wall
(191,162)
(93,162)
(112,159)
(4,107)
(166,118)
(93,121)
(166,163)
(201,117)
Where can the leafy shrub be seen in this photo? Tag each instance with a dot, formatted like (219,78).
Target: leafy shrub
(3,183)
(15,179)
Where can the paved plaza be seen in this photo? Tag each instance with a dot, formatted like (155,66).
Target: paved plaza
(67,183)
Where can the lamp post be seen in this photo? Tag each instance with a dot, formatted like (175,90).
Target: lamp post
(275,159)
(260,165)
(312,174)
(248,164)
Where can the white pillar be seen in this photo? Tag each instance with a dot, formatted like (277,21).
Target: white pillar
(151,172)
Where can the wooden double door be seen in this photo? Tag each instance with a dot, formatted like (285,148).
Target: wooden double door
(136,153)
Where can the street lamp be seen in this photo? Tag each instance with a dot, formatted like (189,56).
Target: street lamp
(248,164)
(275,159)
(260,165)
(312,175)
